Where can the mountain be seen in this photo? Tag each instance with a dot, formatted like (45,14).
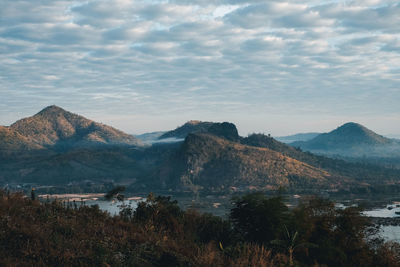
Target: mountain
(296,137)
(225,130)
(55,127)
(209,162)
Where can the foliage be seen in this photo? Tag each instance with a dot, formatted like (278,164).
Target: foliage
(114,192)
(159,233)
(258,218)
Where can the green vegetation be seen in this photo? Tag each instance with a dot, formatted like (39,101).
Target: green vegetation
(261,231)
(115,192)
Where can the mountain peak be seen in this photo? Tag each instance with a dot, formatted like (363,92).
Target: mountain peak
(356,131)
(56,126)
(353,126)
(193,122)
(52,110)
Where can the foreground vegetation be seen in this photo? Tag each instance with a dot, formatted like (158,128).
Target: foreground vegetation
(260,231)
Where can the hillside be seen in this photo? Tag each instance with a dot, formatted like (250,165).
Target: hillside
(55,127)
(12,141)
(211,163)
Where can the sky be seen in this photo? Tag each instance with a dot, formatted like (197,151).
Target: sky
(268,66)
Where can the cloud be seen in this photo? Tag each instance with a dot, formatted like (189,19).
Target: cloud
(200,58)
(355,18)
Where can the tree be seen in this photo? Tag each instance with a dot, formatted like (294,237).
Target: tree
(115,192)
(340,234)
(258,218)
(159,213)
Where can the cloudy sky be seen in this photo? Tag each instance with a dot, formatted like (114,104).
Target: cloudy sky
(268,66)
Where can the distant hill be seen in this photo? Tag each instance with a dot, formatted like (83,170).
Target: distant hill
(296,137)
(55,127)
(351,139)
(225,129)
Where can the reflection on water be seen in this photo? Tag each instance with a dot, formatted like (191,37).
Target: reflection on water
(387,212)
(391,233)
(388,232)
(113,207)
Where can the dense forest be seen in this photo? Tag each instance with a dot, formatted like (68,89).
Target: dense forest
(259,231)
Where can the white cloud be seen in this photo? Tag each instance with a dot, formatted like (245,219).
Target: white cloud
(201,57)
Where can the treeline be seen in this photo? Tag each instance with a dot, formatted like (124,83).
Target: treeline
(260,231)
